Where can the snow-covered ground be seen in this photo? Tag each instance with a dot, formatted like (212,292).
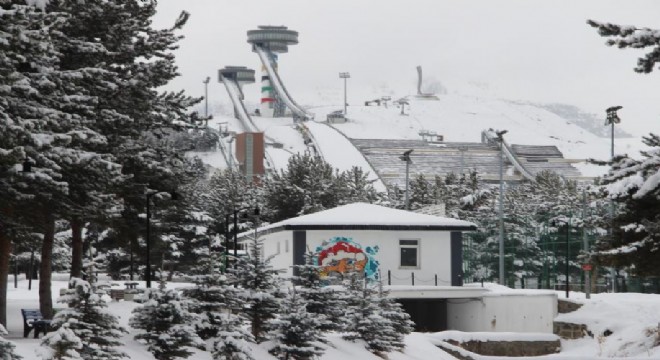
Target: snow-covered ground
(417,345)
(632,318)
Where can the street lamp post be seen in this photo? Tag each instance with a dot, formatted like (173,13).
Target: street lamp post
(206,100)
(500,139)
(344,75)
(148,195)
(406,158)
(612,118)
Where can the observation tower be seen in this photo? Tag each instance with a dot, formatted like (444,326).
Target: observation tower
(273,40)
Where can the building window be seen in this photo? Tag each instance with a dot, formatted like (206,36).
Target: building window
(286,245)
(409,250)
(278,248)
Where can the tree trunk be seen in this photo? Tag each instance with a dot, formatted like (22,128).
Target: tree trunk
(5,248)
(76,247)
(45,270)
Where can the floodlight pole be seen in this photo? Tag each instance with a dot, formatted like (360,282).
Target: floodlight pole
(206,100)
(612,118)
(501,205)
(585,245)
(407,184)
(568,229)
(345,75)
(406,158)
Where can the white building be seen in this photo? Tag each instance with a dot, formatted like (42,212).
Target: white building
(399,246)
(419,256)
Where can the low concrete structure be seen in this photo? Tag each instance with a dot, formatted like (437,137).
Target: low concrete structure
(509,311)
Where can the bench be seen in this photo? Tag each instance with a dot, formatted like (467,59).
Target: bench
(117,294)
(32,319)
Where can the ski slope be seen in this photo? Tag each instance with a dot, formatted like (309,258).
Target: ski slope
(275,79)
(461,118)
(340,152)
(236,96)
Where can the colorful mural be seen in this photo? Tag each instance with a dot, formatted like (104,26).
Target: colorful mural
(341,255)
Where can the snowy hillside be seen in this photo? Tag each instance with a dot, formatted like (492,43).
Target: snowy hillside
(458,118)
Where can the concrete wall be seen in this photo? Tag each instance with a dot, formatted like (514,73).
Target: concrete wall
(434,252)
(504,313)
(280,246)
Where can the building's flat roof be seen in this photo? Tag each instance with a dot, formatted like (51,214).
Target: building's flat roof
(362,216)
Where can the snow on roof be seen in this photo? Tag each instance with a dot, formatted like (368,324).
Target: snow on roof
(362,216)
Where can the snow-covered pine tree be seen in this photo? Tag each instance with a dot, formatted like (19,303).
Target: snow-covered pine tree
(421,193)
(522,250)
(634,184)
(233,340)
(359,187)
(36,130)
(214,298)
(632,37)
(307,185)
(367,321)
(399,318)
(63,344)
(87,318)
(165,323)
(260,285)
(295,332)
(105,43)
(326,303)
(7,349)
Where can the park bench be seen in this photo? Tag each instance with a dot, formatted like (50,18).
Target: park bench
(32,319)
(117,294)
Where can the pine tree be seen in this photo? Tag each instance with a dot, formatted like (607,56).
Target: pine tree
(233,341)
(88,319)
(322,301)
(7,349)
(367,320)
(399,318)
(164,321)
(260,285)
(64,344)
(633,184)
(33,127)
(421,193)
(296,332)
(632,37)
(358,187)
(309,184)
(214,299)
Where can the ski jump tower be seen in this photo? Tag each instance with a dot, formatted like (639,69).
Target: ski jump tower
(250,145)
(271,40)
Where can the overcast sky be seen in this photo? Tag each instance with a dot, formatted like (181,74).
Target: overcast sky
(541,51)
